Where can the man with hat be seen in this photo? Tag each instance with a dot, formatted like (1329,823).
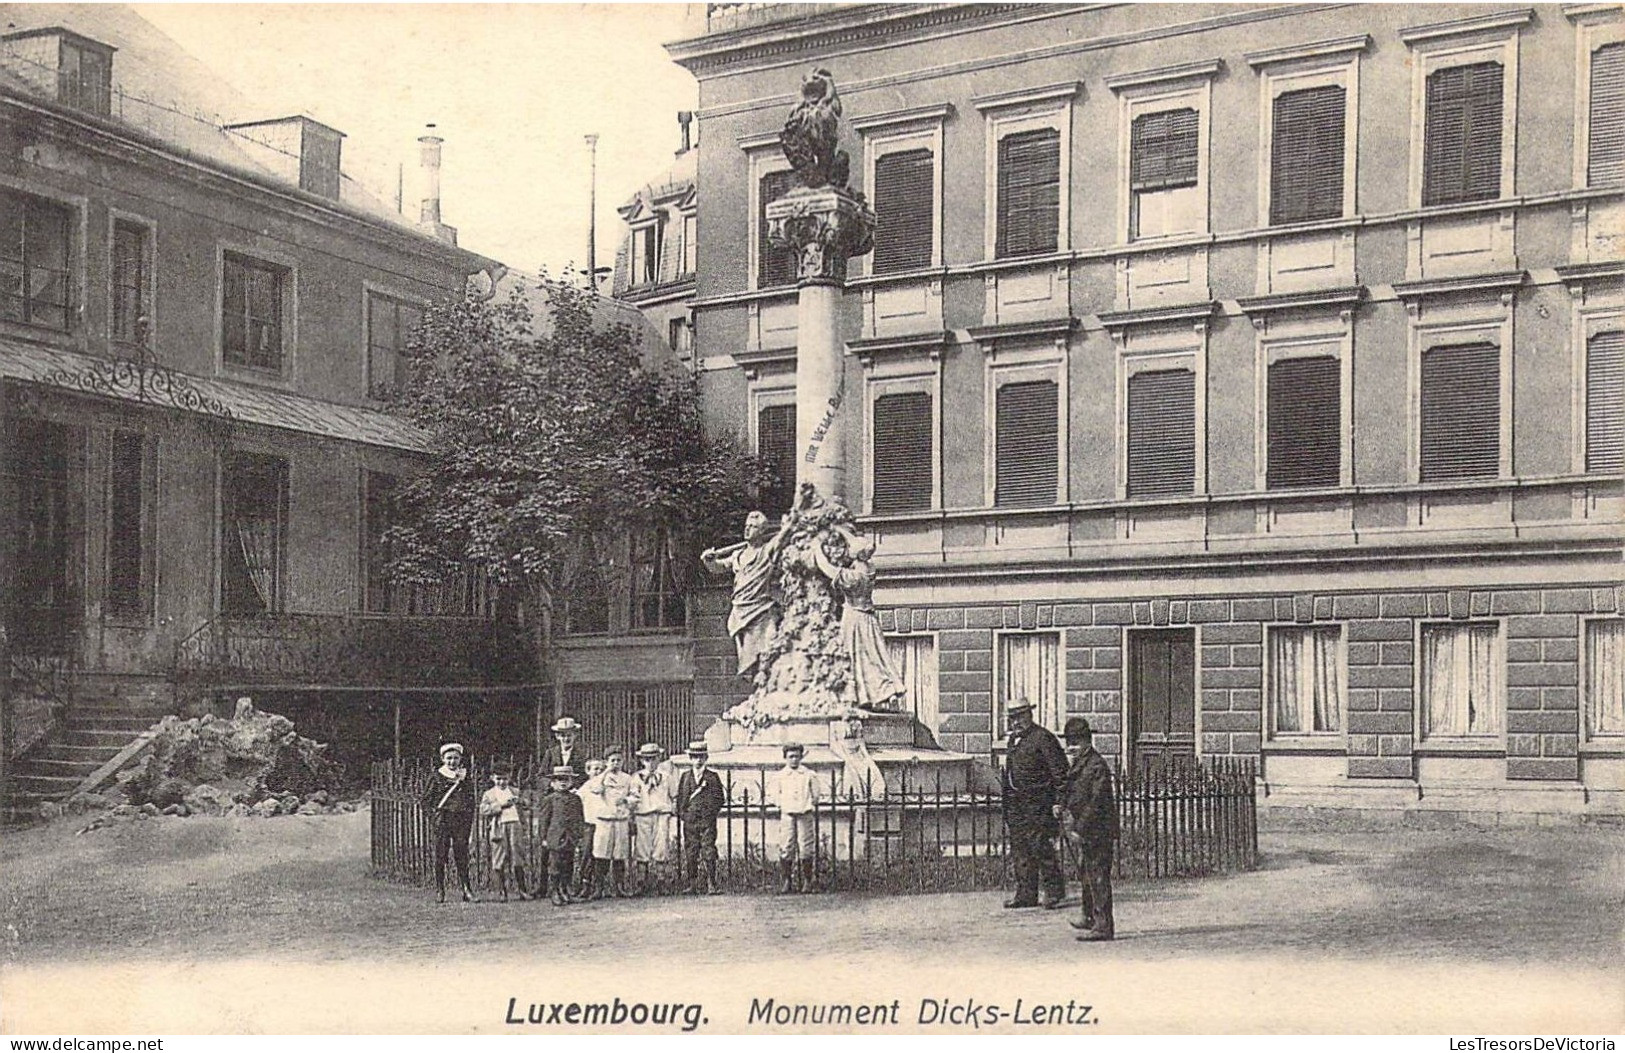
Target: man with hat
(652,814)
(1034,777)
(565,752)
(1091,813)
(699,802)
(449,796)
(795,790)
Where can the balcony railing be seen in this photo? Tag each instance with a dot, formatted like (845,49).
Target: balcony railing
(353,651)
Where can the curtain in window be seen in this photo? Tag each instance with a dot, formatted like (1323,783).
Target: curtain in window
(915,658)
(1306,684)
(1029,669)
(1605,677)
(1460,681)
(258,541)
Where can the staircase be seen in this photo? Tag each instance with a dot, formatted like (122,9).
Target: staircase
(111,714)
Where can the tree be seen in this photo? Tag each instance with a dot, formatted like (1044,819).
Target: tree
(542,432)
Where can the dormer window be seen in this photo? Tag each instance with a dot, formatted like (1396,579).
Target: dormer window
(81,68)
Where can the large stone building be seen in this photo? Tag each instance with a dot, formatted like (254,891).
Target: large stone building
(197,321)
(1247,379)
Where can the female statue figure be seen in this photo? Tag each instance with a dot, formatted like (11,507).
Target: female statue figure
(875,682)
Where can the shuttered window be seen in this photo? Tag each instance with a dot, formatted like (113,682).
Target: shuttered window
(775,266)
(1162,433)
(1304,423)
(1462,143)
(904,182)
(1026,455)
(1605,154)
(1605,402)
(1162,150)
(1029,206)
(1461,412)
(902,452)
(776,446)
(1306,155)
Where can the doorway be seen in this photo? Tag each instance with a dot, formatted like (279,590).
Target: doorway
(1161,696)
(42,460)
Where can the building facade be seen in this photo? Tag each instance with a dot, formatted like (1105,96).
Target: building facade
(1246,379)
(198,324)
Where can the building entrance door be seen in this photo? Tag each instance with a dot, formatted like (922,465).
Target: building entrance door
(1161,696)
(40,459)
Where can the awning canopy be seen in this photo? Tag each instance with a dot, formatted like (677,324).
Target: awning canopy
(159,387)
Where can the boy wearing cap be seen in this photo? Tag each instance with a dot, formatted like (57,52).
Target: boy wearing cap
(795,790)
(558,825)
(499,809)
(616,793)
(699,802)
(586,866)
(652,814)
(1090,808)
(449,796)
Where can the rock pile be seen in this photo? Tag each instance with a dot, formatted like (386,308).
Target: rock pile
(254,764)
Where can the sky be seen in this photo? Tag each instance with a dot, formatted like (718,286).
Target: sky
(513,90)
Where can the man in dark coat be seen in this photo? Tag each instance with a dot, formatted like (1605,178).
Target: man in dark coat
(449,796)
(1034,777)
(699,802)
(567,752)
(1090,808)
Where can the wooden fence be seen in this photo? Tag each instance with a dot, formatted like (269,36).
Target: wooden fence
(1185,821)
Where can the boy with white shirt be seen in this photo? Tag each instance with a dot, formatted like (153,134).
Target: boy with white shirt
(796,791)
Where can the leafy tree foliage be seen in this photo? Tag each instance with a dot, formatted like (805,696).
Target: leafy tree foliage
(544,425)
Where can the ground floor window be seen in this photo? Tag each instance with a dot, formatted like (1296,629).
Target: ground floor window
(1030,670)
(253,532)
(915,659)
(1305,680)
(1605,677)
(1462,681)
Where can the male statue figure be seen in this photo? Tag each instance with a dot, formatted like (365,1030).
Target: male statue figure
(754,563)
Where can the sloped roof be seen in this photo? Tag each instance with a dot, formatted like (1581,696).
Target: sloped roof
(676,181)
(162,90)
(606,311)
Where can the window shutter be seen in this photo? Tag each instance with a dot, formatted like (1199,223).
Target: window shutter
(1605,402)
(1306,162)
(904,182)
(776,445)
(1029,205)
(1461,413)
(1305,422)
(1026,434)
(1605,153)
(775,266)
(902,452)
(1461,153)
(1162,150)
(1162,433)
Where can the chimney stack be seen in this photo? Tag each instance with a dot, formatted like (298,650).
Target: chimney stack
(685,120)
(428,185)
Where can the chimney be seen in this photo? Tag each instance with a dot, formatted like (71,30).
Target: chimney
(685,121)
(429,188)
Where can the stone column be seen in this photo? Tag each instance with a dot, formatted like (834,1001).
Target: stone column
(826,227)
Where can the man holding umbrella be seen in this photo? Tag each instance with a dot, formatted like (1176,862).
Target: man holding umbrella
(1090,812)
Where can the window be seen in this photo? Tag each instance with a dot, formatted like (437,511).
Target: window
(903,449)
(1307,157)
(252,313)
(1306,680)
(1605,149)
(915,659)
(1461,158)
(1304,423)
(1462,681)
(905,210)
(1460,413)
(34,261)
(1163,167)
(680,337)
(132,311)
(1029,193)
(1026,444)
(776,447)
(691,243)
(1605,677)
(657,595)
(646,246)
(253,533)
(587,570)
(775,266)
(1030,670)
(1161,432)
(380,595)
(1605,402)
(128,525)
(85,76)
(391,326)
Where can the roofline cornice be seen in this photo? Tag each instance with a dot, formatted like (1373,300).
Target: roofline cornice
(135,146)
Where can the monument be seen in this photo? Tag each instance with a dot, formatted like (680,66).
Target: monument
(803,617)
